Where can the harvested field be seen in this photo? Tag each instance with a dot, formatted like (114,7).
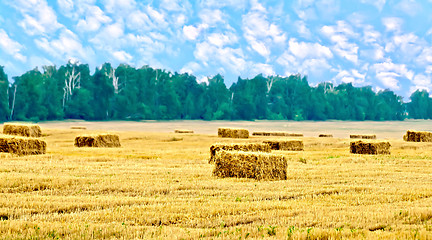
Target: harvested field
(278,134)
(183,131)
(285,145)
(233,133)
(19,129)
(22,145)
(97,140)
(364,136)
(151,188)
(257,165)
(245,147)
(416,136)
(370,147)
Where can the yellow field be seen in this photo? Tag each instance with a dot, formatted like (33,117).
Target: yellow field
(160,185)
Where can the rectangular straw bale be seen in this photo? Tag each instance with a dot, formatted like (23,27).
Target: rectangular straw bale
(370,147)
(257,165)
(417,136)
(326,135)
(78,127)
(245,147)
(233,133)
(22,145)
(363,136)
(97,140)
(278,134)
(20,129)
(286,145)
(183,131)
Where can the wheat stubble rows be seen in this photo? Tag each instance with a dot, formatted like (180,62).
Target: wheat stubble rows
(160,185)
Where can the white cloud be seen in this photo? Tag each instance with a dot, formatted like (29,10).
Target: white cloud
(259,32)
(409,7)
(308,50)
(220,40)
(379,4)
(421,81)
(353,76)
(191,32)
(157,17)
(115,6)
(95,17)
(302,29)
(122,56)
(110,37)
(339,35)
(389,73)
(211,17)
(236,4)
(392,24)
(191,68)
(39,18)
(11,47)
(140,21)
(261,68)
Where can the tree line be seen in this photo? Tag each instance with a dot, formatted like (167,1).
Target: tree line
(128,93)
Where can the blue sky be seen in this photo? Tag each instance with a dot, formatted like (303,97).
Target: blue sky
(383,43)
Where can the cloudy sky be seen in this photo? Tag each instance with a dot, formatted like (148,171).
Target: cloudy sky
(383,43)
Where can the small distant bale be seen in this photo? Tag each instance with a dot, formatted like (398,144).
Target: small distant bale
(417,136)
(245,147)
(233,133)
(97,140)
(279,134)
(256,165)
(286,145)
(20,129)
(22,145)
(362,147)
(326,135)
(78,127)
(363,136)
(183,131)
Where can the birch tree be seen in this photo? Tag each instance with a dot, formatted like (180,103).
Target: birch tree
(72,81)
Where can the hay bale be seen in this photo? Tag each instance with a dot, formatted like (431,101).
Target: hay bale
(370,147)
(97,140)
(363,136)
(183,131)
(20,129)
(286,145)
(417,136)
(278,134)
(245,147)
(22,145)
(78,127)
(233,133)
(257,165)
(326,135)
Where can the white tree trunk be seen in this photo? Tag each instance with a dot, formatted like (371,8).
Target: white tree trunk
(72,81)
(13,102)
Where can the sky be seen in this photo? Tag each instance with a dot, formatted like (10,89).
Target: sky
(386,44)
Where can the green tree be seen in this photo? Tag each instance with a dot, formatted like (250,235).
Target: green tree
(4,100)
(420,105)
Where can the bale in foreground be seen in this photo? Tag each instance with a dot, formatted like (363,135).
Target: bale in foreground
(362,147)
(101,140)
(416,136)
(233,133)
(361,136)
(279,134)
(245,147)
(257,165)
(22,145)
(25,130)
(183,131)
(286,145)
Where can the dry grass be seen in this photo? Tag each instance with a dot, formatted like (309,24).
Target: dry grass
(20,129)
(363,136)
(246,147)
(97,140)
(233,133)
(153,188)
(416,136)
(22,145)
(370,147)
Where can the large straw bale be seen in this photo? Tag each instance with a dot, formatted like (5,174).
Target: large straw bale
(326,135)
(233,133)
(245,147)
(257,165)
(278,134)
(363,136)
(22,145)
(417,136)
(370,147)
(286,145)
(97,140)
(20,129)
(183,131)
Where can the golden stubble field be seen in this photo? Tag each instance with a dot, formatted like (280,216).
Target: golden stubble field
(160,185)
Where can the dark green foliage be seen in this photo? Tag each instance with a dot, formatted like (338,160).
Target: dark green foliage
(146,93)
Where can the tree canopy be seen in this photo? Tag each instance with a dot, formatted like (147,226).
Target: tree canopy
(128,93)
